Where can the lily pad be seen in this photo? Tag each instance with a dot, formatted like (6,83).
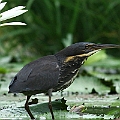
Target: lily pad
(58,104)
(85,84)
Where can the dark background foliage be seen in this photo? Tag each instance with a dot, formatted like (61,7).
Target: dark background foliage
(54,24)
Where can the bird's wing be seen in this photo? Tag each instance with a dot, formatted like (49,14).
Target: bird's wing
(41,75)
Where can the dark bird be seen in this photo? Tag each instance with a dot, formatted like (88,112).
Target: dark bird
(53,72)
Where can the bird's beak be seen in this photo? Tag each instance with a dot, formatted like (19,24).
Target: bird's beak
(103,46)
(93,48)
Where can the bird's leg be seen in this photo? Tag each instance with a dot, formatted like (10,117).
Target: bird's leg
(27,108)
(50,104)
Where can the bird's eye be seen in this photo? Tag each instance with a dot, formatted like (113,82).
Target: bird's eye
(89,46)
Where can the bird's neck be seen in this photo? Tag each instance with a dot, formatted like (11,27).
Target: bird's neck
(60,59)
(69,68)
(74,59)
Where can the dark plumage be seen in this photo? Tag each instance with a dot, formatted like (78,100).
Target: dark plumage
(53,72)
(36,77)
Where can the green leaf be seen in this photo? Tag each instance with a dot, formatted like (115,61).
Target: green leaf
(58,104)
(85,84)
(101,55)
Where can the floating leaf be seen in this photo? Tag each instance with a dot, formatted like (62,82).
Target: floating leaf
(96,57)
(85,84)
(58,104)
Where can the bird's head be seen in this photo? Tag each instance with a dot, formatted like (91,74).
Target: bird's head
(83,50)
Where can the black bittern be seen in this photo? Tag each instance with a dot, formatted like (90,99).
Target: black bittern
(53,72)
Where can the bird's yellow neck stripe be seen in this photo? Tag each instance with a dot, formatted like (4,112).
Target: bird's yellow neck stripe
(70,58)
